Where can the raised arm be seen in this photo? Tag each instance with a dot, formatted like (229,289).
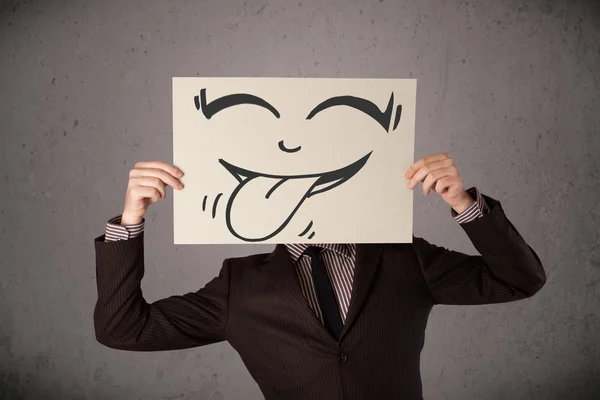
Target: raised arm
(508,269)
(124,320)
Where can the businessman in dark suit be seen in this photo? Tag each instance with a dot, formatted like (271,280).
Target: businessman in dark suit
(318,321)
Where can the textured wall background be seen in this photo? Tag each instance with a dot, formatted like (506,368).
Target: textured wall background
(510,89)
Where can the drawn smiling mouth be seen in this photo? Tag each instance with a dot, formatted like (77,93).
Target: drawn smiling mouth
(263,204)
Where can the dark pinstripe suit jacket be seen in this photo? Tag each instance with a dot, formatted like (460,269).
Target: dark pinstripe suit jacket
(256,304)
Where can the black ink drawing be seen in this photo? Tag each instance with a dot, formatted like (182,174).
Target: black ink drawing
(229,101)
(305,231)
(283,148)
(383,118)
(324,181)
(214,207)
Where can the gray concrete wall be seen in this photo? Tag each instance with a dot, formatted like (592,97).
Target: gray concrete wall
(510,89)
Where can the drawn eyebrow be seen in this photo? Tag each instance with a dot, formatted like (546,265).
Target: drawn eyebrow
(366,106)
(210,109)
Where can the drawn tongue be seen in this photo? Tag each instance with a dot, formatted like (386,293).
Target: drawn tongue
(254,216)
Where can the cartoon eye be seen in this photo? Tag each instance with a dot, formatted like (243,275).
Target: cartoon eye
(366,106)
(210,109)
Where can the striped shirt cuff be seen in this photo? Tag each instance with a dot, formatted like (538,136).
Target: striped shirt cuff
(115,231)
(476,210)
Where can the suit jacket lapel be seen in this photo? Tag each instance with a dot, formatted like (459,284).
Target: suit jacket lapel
(281,271)
(367,262)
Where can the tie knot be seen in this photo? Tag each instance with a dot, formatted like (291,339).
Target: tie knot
(313,251)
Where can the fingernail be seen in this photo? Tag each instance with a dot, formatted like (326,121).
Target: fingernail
(180,174)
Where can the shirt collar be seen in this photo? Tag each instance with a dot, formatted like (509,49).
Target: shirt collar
(295,250)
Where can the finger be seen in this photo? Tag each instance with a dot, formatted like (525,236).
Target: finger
(425,160)
(147,192)
(171,169)
(433,176)
(166,177)
(149,181)
(423,171)
(443,183)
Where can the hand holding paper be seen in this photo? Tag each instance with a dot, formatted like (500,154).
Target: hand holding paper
(439,172)
(147,181)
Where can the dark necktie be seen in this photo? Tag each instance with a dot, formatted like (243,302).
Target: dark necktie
(331,315)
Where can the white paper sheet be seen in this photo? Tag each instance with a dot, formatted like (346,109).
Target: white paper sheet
(293,160)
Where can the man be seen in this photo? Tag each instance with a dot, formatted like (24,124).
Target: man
(327,321)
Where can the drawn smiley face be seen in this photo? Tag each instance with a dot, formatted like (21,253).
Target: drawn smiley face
(259,186)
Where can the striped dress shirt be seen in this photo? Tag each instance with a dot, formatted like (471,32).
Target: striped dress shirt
(339,259)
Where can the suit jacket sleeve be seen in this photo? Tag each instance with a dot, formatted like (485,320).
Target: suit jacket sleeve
(508,269)
(124,320)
